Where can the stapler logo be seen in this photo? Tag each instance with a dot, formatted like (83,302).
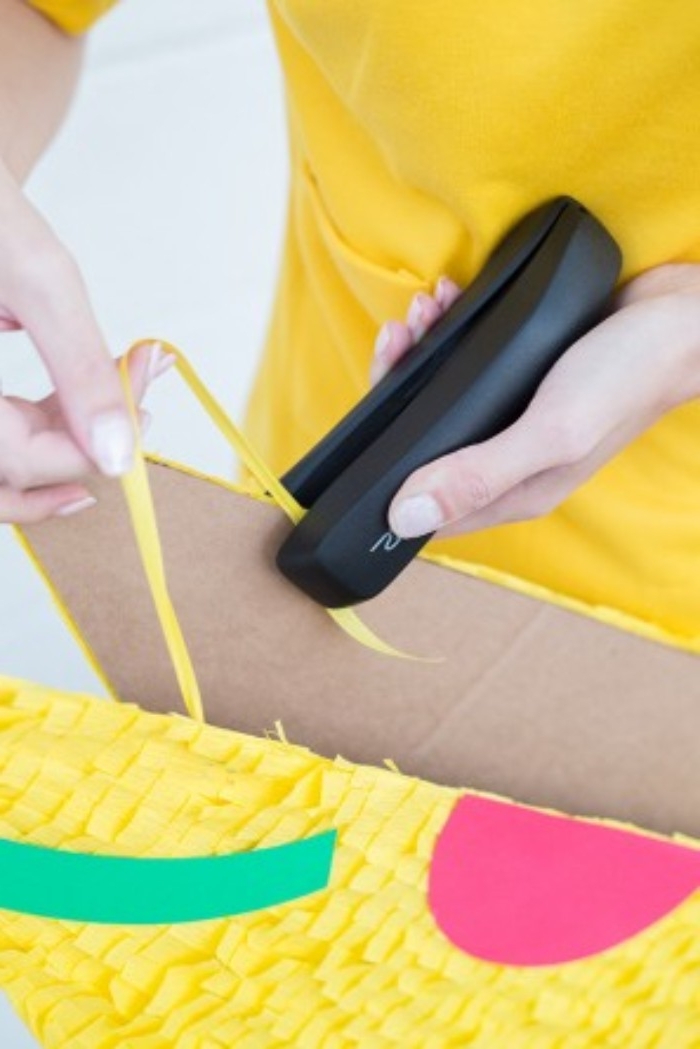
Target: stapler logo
(388,541)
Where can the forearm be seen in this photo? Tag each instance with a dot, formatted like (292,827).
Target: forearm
(39,66)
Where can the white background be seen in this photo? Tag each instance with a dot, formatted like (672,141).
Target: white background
(168,182)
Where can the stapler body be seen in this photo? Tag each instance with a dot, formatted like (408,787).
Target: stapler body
(469,377)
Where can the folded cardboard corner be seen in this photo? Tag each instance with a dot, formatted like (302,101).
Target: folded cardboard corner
(530,701)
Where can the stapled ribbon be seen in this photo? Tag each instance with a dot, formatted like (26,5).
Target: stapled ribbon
(140,502)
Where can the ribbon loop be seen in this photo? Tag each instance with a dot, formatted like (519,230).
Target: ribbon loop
(139,499)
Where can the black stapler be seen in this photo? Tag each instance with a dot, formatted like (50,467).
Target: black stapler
(467,379)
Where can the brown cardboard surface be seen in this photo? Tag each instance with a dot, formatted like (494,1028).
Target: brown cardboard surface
(531,701)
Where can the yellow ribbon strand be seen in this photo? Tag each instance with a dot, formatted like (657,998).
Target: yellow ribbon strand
(256,465)
(346,618)
(349,621)
(139,499)
(143,518)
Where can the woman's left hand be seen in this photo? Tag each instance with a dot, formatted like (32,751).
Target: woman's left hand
(609,386)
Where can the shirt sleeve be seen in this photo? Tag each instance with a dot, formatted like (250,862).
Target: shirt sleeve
(74,16)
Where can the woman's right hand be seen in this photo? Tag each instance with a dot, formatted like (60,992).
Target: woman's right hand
(48,447)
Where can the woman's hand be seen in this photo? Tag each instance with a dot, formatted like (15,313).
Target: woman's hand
(46,448)
(609,386)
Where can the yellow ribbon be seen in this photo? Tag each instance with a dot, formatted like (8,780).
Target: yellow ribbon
(142,511)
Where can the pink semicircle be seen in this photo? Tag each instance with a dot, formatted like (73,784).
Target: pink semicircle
(516,886)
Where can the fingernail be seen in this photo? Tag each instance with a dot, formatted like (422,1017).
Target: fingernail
(112,442)
(441,290)
(380,363)
(383,340)
(415,312)
(76,506)
(416,317)
(416,515)
(159,362)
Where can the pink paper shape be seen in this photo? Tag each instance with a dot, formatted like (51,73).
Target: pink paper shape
(519,887)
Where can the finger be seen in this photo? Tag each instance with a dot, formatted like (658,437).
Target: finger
(44,289)
(147,362)
(32,453)
(35,447)
(422,314)
(393,340)
(41,503)
(54,308)
(542,493)
(447,292)
(534,497)
(36,455)
(46,457)
(467,480)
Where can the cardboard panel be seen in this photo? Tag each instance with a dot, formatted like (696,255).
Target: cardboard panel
(531,701)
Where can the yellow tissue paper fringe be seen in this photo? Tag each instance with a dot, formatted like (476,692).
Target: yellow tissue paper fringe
(360,965)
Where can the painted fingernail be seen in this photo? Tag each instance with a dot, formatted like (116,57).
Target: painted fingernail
(380,364)
(159,362)
(416,515)
(415,317)
(76,506)
(112,442)
(441,290)
(383,340)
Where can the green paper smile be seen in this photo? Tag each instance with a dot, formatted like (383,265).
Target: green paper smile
(123,890)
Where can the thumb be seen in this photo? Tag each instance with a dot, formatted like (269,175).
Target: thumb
(467,480)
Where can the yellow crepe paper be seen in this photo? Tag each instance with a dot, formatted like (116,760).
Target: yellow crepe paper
(360,965)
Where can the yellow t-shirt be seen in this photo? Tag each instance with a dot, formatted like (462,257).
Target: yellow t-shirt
(419,133)
(75,16)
